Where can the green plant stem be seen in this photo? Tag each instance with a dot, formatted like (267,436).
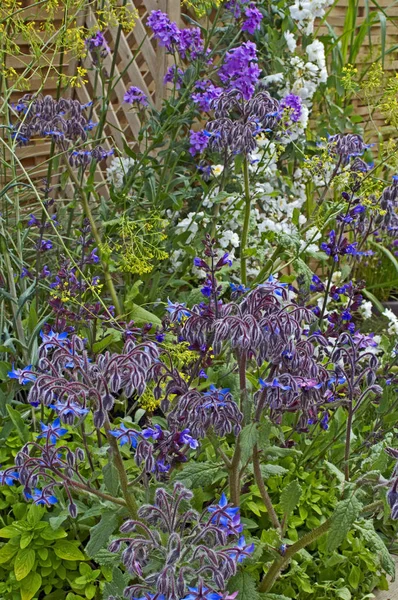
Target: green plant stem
(98,241)
(85,488)
(282,561)
(234,475)
(124,484)
(14,301)
(263,490)
(348,443)
(246,223)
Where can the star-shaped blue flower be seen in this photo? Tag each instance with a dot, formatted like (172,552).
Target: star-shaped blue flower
(52,336)
(41,497)
(125,435)
(23,375)
(53,431)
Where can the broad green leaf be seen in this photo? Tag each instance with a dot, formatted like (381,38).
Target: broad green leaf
(19,423)
(273,597)
(9,532)
(30,585)
(271,470)
(24,562)
(245,584)
(344,593)
(142,316)
(354,577)
(345,513)
(7,552)
(26,538)
(199,474)
(35,514)
(104,343)
(290,497)
(68,551)
(377,546)
(50,534)
(116,586)
(111,478)
(334,471)
(248,438)
(100,534)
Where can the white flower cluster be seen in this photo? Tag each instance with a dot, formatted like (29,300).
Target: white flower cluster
(307,76)
(393,321)
(118,169)
(304,12)
(366,309)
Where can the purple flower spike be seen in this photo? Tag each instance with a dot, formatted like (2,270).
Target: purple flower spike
(253,19)
(135,96)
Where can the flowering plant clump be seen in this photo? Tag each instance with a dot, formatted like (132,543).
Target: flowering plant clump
(198,370)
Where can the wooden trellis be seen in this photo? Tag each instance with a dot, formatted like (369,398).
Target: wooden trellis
(140,61)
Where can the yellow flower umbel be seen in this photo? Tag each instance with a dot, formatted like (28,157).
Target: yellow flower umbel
(202,7)
(148,401)
(348,78)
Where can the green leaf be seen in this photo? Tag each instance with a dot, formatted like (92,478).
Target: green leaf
(354,577)
(245,585)
(344,593)
(19,423)
(104,343)
(273,597)
(271,470)
(68,551)
(116,586)
(9,532)
(142,316)
(248,438)
(377,546)
(7,552)
(334,471)
(345,513)
(199,474)
(50,534)
(30,585)
(290,497)
(100,534)
(111,478)
(26,538)
(24,562)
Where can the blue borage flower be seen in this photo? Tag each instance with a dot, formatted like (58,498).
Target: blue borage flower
(69,410)
(226,516)
(52,336)
(41,497)
(52,432)
(241,550)
(8,477)
(202,593)
(275,383)
(125,435)
(177,311)
(23,375)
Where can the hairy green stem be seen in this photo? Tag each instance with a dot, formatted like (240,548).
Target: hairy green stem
(124,484)
(282,561)
(348,443)
(246,223)
(98,241)
(263,490)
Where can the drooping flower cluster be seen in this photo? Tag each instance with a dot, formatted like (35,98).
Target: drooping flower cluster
(62,120)
(237,123)
(181,554)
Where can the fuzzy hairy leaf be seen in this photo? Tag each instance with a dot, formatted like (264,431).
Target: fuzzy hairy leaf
(199,474)
(116,586)
(248,438)
(245,584)
(273,597)
(271,470)
(345,513)
(377,545)
(290,497)
(100,534)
